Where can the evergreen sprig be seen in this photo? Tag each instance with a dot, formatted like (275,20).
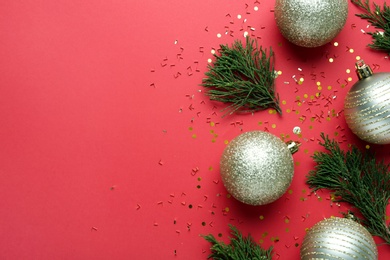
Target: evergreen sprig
(240,248)
(356,178)
(379,18)
(243,77)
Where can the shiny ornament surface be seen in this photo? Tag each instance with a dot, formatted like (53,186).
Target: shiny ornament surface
(257,168)
(367,106)
(310,23)
(338,238)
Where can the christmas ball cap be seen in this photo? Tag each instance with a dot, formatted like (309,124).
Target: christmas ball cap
(363,70)
(293,146)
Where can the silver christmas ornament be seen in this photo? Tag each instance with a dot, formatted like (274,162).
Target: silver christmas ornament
(367,105)
(310,23)
(257,167)
(338,238)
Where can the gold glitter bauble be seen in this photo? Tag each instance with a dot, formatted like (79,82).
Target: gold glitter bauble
(338,238)
(257,168)
(310,23)
(367,106)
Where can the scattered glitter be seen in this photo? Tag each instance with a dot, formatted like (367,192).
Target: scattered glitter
(336,44)
(348,71)
(219,35)
(297,130)
(350,79)
(256,8)
(330,60)
(209,60)
(239,16)
(357,57)
(351,50)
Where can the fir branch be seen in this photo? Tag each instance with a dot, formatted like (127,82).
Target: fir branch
(243,77)
(356,178)
(240,248)
(379,18)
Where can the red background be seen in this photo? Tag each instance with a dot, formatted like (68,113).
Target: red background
(110,149)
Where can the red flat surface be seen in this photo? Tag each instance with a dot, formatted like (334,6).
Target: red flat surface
(110,149)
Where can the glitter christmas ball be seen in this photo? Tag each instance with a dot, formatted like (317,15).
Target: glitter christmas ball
(367,105)
(257,167)
(310,23)
(338,238)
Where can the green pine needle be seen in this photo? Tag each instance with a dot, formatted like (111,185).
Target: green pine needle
(379,18)
(356,178)
(240,248)
(243,77)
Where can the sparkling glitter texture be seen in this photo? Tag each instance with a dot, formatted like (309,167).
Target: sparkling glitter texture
(367,108)
(338,238)
(310,23)
(257,168)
